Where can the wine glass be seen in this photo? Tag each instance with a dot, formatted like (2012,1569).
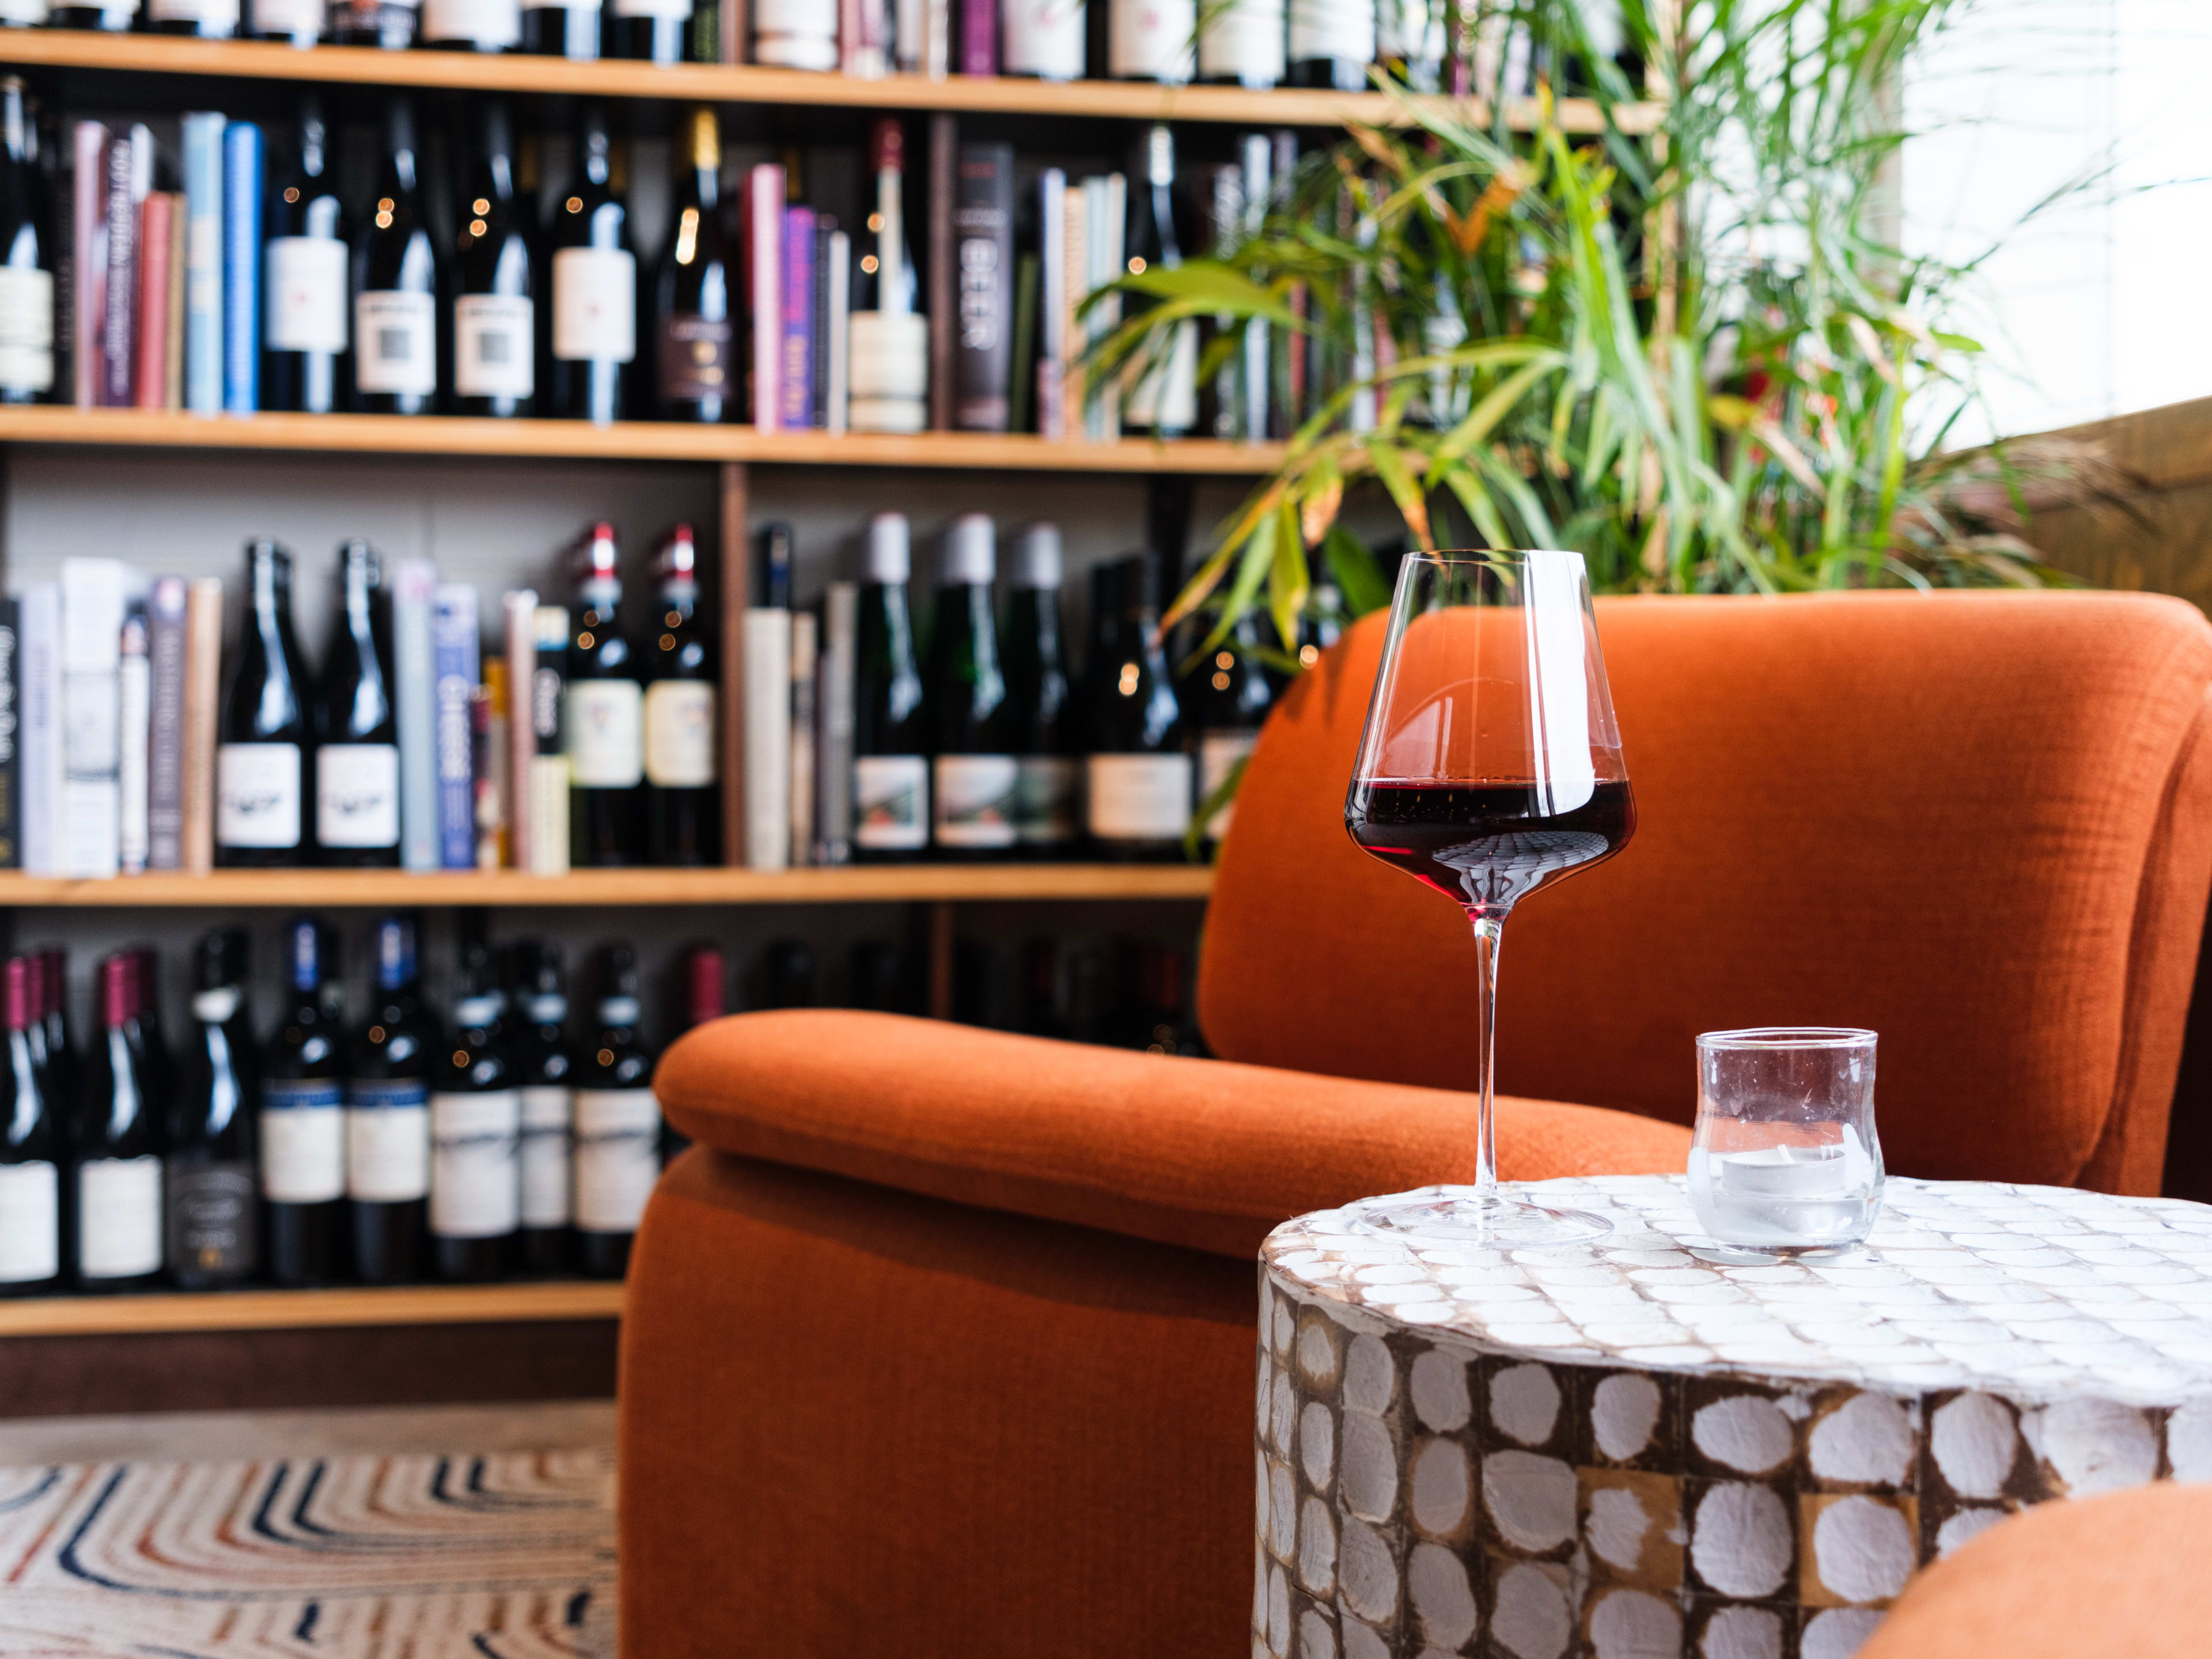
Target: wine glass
(1489,766)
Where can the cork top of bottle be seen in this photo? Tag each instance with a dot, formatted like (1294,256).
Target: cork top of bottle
(395,953)
(887,148)
(705,974)
(118,988)
(678,558)
(16,993)
(706,141)
(1159,155)
(969,556)
(890,551)
(1037,561)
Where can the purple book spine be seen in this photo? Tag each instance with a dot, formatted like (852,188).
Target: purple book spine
(979,37)
(797,380)
(118,354)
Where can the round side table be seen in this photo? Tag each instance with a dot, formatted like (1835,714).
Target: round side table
(1619,1451)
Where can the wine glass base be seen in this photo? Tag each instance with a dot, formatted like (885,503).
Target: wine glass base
(1466,1216)
(1774,1255)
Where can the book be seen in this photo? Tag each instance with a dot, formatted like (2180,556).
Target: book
(11,783)
(241,268)
(157,218)
(795,372)
(1255,420)
(202,704)
(763,251)
(979,37)
(548,766)
(944,136)
(94,594)
(488,735)
(833,710)
(1021,372)
(520,610)
(413,583)
(1052,333)
(864,37)
(819,338)
(804,665)
(165,725)
(767,750)
(173,361)
(129,157)
(87,257)
(838,390)
(983,257)
(39,746)
(202,135)
(454,669)
(134,683)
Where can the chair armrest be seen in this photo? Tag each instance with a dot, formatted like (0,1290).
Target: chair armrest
(1198,1152)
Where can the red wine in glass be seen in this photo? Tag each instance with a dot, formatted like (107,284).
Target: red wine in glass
(1487,846)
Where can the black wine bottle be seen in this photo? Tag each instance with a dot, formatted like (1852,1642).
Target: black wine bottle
(303,1166)
(305,365)
(395,284)
(603,716)
(593,326)
(156,1064)
(117,1141)
(388,1114)
(543,1075)
(27,253)
(357,754)
(972,770)
(1163,400)
(295,22)
(476,1130)
(1231,698)
(890,765)
(494,308)
(115,17)
(682,804)
(62,1064)
(694,360)
(1331,44)
(31,1144)
(391,24)
(210,19)
(653,30)
(212,1199)
(1040,729)
(1137,777)
(570,31)
(263,742)
(472,25)
(617,1125)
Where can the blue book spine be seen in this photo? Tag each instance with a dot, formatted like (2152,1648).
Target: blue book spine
(241,267)
(796,378)
(454,668)
(203,262)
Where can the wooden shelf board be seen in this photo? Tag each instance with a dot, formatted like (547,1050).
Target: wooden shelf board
(625,440)
(266,1310)
(398,888)
(749,83)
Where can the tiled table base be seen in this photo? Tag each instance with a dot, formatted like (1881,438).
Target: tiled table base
(1620,1452)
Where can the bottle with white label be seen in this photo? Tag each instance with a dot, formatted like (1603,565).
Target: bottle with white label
(357,754)
(1331,43)
(617,1125)
(387,1114)
(891,764)
(260,759)
(603,716)
(1163,400)
(307,326)
(972,773)
(594,278)
(395,285)
(1152,39)
(1043,38)
(30,1145)
(27,250)
(1240,44)
(119,1147)
(683,803)
(302,1115)
(472,25)
(558,30)
(495,305)
(113,15)
(1137,776)
(211,1199)
(1039,714)
(295,22)
(475,1135)
(545,1078)
(389,24)
(211,19)
(801,34)
(653,30)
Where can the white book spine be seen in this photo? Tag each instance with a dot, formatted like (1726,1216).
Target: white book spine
(1052,347)
(840,311)
(548,764)
(135,674)
(521,730)
(413,582)
(768,739)
(93,597)
(833,754)
(41,745)
(804,627)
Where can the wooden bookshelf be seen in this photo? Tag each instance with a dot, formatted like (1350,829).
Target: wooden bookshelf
(625,440)
(877,883)
(745,83)
(263,1310)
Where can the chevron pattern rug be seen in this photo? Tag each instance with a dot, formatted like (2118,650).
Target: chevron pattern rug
(508,1555)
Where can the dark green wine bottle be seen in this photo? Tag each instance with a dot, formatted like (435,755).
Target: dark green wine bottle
(972,775)
(890,765)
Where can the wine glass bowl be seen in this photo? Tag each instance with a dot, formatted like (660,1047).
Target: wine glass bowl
(1489,766)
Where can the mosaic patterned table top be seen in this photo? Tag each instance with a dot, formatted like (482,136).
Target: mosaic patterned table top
(2044,1291)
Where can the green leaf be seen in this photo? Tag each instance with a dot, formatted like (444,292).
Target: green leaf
(1359,578)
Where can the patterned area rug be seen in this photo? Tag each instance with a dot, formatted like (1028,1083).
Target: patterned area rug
(416,1556)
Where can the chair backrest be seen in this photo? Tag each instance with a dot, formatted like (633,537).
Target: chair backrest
(1979,823)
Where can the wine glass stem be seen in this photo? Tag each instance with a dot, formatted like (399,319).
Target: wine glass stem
(1489,934)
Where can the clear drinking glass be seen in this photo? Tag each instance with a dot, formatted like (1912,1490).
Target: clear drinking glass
(1784,1161)
(1491,766)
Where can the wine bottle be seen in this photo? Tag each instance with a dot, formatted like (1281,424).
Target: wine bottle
(115,17)
(1164,399)
(1137,777)
(601,717)
(1232,698)
(304,359)
(212,1201)
(63,1067)
(1152,39)
(1043,38)
(1331,43)
(570,31)
(261,747)
(972,770)
(387,1109)
(543,1073)
(118,1151)
(691,309)
(682,806)
(390,24)
(1240,43)
(652,30)
(472,25)
(617,1125)
(357,758)
(211,19)
(595,322)
(31,1144)
(706,997)
(303,1129)
(495,310)
(27,252)
(1039,728)
(396,284)
(295,22)
(890,769)
(475,1129)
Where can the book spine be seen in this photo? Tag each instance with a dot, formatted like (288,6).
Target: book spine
(90,823)
(819,334)
(39,649)
(413,582)
(165,727)
(944,309)
(1112,228)
(796,378)
(87,257)
(833,757)
(135,678)
(203,134)
(548,767)
(241,268)
(521,613)
(203,690)
(979,37)
(488,765)
(838,393)
(983,223)
(156,217)
(763,262)
(172,362)
(1052,352)
(805,628)
(1084,207)
(11,704)
(767,738)
(118,306)
(454,668)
